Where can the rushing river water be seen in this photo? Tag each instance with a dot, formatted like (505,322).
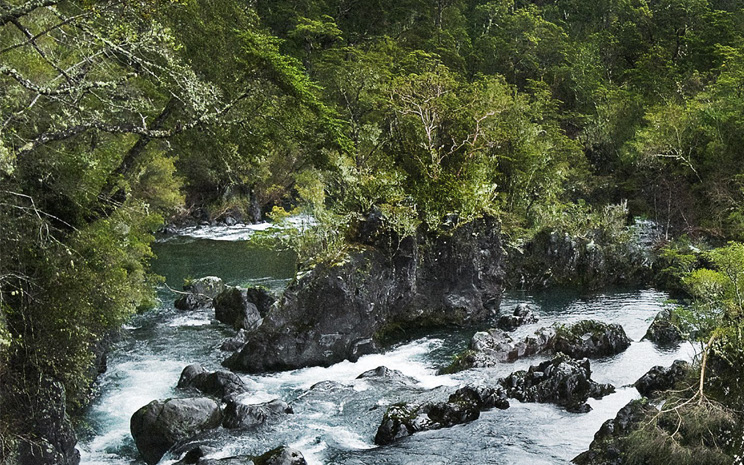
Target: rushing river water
(335,423)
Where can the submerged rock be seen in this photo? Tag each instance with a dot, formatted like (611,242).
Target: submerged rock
(279,456)
(587,338)
(662,331)
(463,406)
(239,415)
(159,425)
(659,378)
(522,315)
(200,293)
(562,381)
(607,447)
(347,309)
(221,384)
(386,375)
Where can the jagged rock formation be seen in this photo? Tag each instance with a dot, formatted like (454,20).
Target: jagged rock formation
(344,310)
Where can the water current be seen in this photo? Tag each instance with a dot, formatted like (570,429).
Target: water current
(335,422)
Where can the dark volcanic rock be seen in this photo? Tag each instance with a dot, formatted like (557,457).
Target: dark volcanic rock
(607,446)
(281,456)
(221,384)
(590,338)
(662,331)
(200,293)
(343,310)
(463,406)
(235,343)
(239,415)
(522,315)
(661,378)
(159,425)
(55,436)
(587,338)
(562,381)
(386,375)
(243,308)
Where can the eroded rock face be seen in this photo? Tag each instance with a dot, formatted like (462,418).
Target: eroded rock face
(607,447)
(234,307)
(56,439)
(159,425)
(343,310)
(562,381)
(522,315)
(200,293)
(221,384)
(659,378)
(463,406)
(239,415)
(662,331)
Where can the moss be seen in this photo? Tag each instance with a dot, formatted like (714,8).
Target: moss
(460,362)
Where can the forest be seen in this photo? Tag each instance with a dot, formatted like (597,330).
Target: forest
(118,118)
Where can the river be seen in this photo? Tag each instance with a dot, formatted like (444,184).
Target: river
(335,423)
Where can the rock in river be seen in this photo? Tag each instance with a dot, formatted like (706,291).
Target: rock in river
(199,293)
(159,425)
(463,406)
(221,384)
(562,381)
(348,308)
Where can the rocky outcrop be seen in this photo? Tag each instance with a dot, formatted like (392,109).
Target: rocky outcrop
(243,308)
(663,331)
(159,425)
(54,436)
(607,446)
(463,406)
(660,378)
(281,456)
(590,261)
(221,384)
(562,381)
(239,415)
(349,308)
(590,338)
(522,315)
(200,293)
(587,338)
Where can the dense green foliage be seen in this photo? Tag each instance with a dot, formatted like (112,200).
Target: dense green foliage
(115,115)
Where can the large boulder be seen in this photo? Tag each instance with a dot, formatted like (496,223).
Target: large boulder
(607,447)
(221,384)
(243,308)
(522,315)
(562,381)
(159,425)
(352,306)
(663,331)
(200,293)
(660,378)
(239,415)
(590,338)
(463,406)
